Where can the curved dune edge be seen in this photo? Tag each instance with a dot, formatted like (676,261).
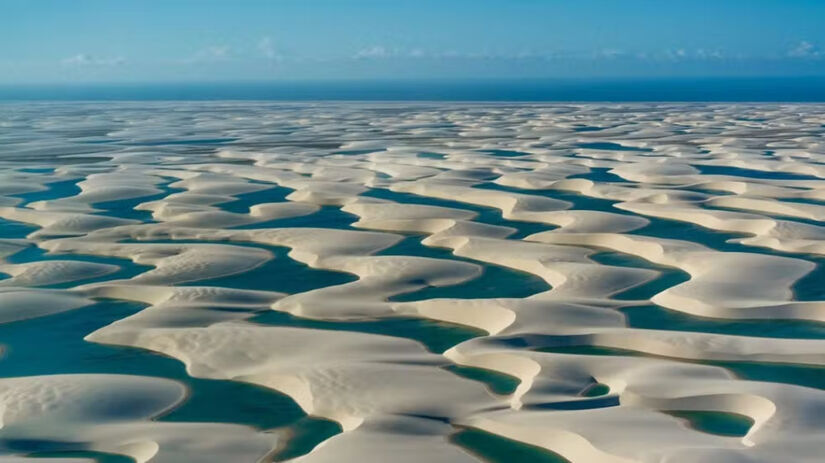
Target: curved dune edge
(61,223)
(105,187)
(173,263)
(111,413)
(643,387)
(344,251)
(22,303)
(716,287)
(53,272)
(376,395)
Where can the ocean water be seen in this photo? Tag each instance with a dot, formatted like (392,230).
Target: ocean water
(727,89)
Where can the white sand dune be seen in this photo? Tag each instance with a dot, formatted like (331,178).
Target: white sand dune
(173,263)
(716,287)
(53,272)
(21,303)
(111,413)
(97,188)
(61,223)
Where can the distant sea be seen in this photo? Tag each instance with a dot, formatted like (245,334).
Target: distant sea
(774,89)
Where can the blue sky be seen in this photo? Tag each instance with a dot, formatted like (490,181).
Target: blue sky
(53,41)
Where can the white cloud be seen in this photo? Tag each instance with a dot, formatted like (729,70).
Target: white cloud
(382,52)
(83,59)
(217,51)
(804,49)
(267,48)
(682,54)
(677,54)
(709,54)
(211,53)
(375,51)
(610,53)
